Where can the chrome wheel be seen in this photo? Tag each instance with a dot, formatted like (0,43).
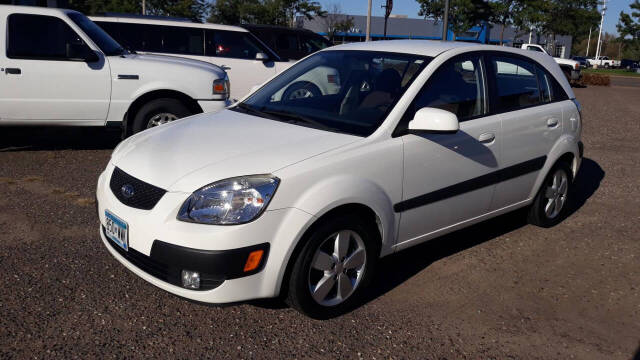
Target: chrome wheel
(337,268)
(300,94)
(556,194)
(160,119)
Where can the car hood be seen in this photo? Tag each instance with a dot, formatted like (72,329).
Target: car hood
(193,152)
(142,62)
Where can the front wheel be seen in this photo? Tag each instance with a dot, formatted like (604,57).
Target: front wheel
(551,203)
(157,112)
(301,90)
(335,265)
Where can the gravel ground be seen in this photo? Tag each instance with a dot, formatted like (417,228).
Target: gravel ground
(499,290)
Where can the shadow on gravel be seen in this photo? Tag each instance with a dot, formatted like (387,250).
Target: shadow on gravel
(58,138)
(406,264)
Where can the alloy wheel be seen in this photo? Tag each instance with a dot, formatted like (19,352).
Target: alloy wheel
(160,119)
(556,194)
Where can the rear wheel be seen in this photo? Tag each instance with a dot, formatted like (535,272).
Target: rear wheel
(335,265)
(157,112)
(550,205)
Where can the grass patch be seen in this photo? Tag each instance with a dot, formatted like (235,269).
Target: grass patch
(614,72)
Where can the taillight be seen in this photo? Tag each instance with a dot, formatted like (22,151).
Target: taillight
(576,66)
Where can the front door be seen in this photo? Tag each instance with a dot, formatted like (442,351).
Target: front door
(448,178)
(41,80)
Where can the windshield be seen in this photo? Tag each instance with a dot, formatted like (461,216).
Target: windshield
(108,46)
(343,91)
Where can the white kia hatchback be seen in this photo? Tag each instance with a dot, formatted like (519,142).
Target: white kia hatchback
(302,196)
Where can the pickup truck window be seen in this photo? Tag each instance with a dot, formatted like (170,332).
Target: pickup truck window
(39,37)
(534,48)
(108,46)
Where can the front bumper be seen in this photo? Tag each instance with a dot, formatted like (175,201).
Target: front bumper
(158,241)
(212,106)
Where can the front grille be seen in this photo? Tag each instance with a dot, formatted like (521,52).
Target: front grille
(159,270)
(145,196)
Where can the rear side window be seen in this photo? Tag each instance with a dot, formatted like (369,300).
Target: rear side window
(516,83)
(139,37)
(287,41)
(182,40)
(232,44)
(457,86)
(545,84)
(39,37)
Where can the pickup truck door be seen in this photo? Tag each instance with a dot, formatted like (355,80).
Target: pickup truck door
(40,78)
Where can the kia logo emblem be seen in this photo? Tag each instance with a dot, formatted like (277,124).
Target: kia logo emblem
(127,191)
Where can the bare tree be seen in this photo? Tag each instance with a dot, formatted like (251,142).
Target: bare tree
(336,21)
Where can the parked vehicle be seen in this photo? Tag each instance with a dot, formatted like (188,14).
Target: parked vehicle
(62,69)
(604,61)
(629,64)
(247,60)
(570,68)
(581,59)
(302,196)
(289,43)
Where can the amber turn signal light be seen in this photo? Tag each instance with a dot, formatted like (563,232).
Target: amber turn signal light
(253,261)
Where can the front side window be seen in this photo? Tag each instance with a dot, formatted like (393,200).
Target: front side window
(231,44)
(311,44)
(40,37)
(108,46)
(516,83)
(343,91)
(457,86)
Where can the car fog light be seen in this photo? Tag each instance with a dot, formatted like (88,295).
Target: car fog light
(190,279)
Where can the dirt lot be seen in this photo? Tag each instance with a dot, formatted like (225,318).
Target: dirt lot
(500,290)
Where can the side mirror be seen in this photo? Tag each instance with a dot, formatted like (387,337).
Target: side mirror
(435,121)
(262,56)
(81,52)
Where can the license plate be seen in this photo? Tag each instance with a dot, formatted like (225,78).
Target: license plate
(117,230)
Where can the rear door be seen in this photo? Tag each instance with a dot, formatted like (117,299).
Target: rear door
(41,81)
(448,177)
(531,123)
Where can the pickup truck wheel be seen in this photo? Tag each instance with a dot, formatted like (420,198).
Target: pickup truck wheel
(157,112)
(606,66)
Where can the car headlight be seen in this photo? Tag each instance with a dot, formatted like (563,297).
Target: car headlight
(230,201)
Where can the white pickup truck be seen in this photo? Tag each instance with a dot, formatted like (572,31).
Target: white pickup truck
(59,68)
(570,68)
(604,61)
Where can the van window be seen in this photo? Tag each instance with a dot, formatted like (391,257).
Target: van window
(285,41)
(516,83)
(139,37)
(39,37)
(232,44)
(182,40)
(456,86)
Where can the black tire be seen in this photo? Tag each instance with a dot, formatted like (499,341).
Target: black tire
(310,88)
(299,288)
(537,214)
(606,66)
(155,107)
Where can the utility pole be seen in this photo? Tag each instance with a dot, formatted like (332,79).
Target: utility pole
(387,12)
(143,7)
(588,43)
(604,9)
(368,38)
(445,22)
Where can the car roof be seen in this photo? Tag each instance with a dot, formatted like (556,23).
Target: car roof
(36,10)
(133,20)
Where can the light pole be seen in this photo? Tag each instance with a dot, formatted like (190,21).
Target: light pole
(143,7)
(604,9)
(368,38)
(588,43)
(445,22)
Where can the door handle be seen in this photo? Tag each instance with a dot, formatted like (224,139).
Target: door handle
(552,122)
(487,137)
(15,71)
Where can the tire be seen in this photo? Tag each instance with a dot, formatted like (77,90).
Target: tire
(543,212)
(606,66)
(159,111)
(304,279)
(301,89)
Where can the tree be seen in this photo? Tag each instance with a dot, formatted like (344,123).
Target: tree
(191,9)
(269,12)
(571,17)
(463,14)
(502,14)
(336,21)
(233,12)
(629,25)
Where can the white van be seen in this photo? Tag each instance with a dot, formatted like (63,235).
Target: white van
(59,68)
(247,60)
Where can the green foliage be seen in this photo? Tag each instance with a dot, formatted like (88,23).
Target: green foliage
(192,9)
(502,13)
(270,12)
(463,14)
(629,25)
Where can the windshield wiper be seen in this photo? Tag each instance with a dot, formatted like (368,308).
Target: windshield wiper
(297,118)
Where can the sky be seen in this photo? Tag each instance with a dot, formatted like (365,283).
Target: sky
(411,7)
